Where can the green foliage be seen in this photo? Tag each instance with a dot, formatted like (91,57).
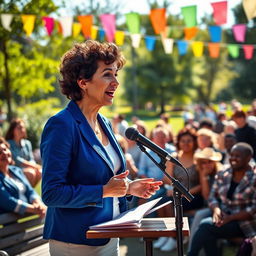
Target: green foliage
(35,115)
(242,86)
(25,72)
(31,74)
(155,76)
(211,76)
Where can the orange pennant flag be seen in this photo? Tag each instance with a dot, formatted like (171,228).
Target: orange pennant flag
(28,23)
(60,29)
(158,19)
(86,22)
(190,32)
(214,49)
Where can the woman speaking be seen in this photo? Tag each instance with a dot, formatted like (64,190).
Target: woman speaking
(84,174)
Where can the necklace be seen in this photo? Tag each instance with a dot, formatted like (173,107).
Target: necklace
(97,129)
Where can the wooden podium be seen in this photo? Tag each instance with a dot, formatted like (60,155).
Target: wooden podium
(151,229)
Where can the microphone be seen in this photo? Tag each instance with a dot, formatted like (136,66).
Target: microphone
(132,134)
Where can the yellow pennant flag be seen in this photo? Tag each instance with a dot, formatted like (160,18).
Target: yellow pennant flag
(76,29)
(249,8)
(119,37)
(197,48)
(94,32)
(28,23)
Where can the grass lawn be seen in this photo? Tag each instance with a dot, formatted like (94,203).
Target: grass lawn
(149,117)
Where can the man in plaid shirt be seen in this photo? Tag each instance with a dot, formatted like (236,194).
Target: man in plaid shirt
(233,203)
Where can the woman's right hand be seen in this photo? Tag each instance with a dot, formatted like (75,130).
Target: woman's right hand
(117,186)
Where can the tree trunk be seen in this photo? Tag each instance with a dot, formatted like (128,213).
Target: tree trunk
(162,103)
(134,79)
(7,84)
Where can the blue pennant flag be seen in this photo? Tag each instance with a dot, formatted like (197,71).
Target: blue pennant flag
(150,42)
(101,34)
(215,33)
(182,47)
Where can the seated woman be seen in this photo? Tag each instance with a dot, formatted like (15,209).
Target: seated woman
(233,203)
(186,146)
(207,164)
(21,149)
(16,194)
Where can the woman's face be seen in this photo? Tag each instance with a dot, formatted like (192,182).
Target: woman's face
(186,143)
(5,156)
(204,141)
(20,131)
(207,165)
(101,88)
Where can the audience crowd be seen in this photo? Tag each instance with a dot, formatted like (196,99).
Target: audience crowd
(218,152)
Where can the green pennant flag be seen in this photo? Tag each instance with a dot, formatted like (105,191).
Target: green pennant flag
(233,50)
(133,22)
(189,15)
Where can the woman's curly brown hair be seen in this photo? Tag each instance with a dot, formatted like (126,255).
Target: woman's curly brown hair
(81,62)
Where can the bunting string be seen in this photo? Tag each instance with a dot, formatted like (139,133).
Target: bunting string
(68,27)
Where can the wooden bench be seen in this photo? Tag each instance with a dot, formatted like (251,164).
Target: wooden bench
(19,234)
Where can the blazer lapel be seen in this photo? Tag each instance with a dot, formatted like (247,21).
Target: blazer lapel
(88,133)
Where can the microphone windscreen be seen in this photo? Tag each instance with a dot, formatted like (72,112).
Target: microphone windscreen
(131,133)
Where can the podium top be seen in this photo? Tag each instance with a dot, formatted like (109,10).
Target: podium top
(151,227)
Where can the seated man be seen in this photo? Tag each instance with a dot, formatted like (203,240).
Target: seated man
(233,204)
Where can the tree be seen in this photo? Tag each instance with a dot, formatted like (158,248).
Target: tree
(243,86)
(211,76)
(22,71)
(160,77)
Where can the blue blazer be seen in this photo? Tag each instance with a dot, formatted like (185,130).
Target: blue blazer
(75,168)
(10,200)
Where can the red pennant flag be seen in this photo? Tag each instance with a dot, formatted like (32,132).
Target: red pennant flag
(220,12)
(248,51)
(86,22)
(158,19)
(49,24)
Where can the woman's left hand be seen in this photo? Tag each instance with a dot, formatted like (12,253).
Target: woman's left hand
(144,188)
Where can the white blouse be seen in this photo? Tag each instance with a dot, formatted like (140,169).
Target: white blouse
(117,164)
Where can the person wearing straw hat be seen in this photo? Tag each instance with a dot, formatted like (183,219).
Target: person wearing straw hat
(232,201)
(207,164)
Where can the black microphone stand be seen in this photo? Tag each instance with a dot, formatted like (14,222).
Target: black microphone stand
(178,190)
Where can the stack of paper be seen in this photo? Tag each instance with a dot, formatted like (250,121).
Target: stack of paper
(131,218)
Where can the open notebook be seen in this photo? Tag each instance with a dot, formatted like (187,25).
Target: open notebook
(131,218)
